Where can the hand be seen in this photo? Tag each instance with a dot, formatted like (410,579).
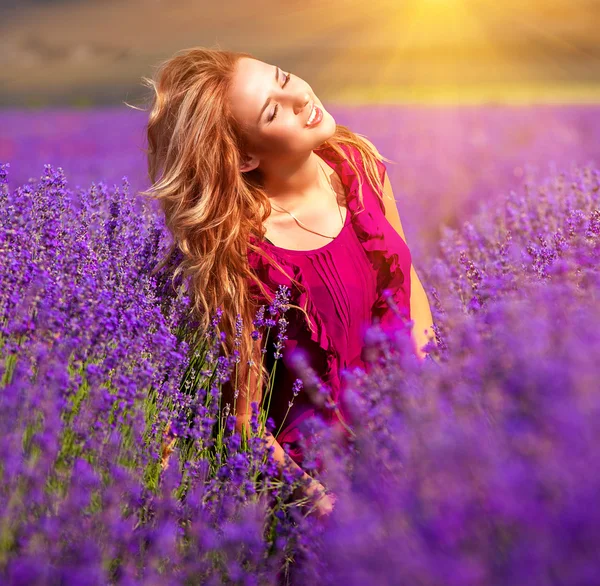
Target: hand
(167,446)
(323,502)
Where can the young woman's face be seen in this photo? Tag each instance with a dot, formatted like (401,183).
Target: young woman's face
(274,107)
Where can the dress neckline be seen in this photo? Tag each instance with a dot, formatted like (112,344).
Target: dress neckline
(338,235)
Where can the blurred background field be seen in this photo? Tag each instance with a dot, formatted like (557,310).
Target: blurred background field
(445,160)
(465,97)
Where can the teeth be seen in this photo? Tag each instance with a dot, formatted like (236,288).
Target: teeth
(312,115)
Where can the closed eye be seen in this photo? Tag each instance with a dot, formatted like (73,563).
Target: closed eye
(287,78)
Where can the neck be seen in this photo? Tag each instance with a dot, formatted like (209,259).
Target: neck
(291,185)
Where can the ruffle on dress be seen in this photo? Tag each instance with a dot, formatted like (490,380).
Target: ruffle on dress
(368,226)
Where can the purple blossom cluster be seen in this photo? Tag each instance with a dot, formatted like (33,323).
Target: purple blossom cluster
(99,360)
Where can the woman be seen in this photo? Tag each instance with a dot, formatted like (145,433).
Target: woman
(260,188)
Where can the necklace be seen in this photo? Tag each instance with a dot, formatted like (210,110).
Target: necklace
(306,227)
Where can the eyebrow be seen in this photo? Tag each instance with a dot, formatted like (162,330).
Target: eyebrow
(269,98)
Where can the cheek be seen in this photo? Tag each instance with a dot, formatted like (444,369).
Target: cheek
(277,138)
(285,130)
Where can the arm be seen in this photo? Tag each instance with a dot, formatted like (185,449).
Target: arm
(420,310)
(244,413)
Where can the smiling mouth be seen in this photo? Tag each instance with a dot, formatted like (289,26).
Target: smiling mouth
(316,115)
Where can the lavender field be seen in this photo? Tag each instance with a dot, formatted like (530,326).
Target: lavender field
(476,468)
(445,159)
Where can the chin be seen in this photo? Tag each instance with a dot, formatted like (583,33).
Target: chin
(327,117)
(327,127)
(331,126)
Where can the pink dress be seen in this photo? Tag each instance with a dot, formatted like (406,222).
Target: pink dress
(343,287)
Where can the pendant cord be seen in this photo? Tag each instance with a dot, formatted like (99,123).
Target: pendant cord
(306,227)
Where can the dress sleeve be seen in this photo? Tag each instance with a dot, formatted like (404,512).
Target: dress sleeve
(381,169)
(393,305)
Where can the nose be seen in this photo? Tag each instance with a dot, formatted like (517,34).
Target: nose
(301,101)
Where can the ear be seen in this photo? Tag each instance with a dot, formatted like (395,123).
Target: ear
(249,163)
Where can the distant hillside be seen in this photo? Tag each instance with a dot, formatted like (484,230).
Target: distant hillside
(95,52)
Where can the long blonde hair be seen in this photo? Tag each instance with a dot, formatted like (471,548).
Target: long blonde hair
(195,148)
